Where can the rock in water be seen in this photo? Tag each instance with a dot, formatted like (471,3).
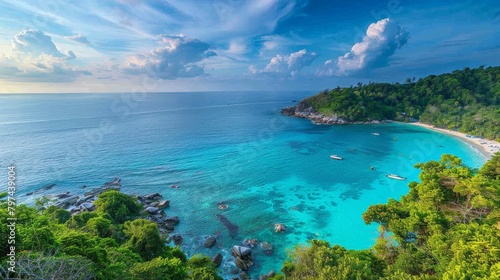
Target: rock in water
(67,202)
(153,196)
(242,257)
(152,210)
(177,239)
(174,220)
(279,227)
(210,242)
(217,259)
(240,251)
(163,204)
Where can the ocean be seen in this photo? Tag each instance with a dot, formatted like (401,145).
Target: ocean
(220,147)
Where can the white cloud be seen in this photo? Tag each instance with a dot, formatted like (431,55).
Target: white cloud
(175,59)
(34,58)
(381,41)
(286,65)
(35,43)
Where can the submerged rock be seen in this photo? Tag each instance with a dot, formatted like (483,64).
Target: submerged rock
(270,274)
(177,238)
(233,229)
(279,227)
(210,242)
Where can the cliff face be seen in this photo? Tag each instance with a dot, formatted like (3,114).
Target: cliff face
(306,111)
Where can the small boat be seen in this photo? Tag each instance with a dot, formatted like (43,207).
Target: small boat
(394,176)
(376,133)
(335,157)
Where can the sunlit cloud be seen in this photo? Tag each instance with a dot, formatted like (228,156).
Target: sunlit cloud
(381,41)
(176,58)
(35,58)
(286,65)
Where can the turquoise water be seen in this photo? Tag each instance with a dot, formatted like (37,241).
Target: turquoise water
(231,147)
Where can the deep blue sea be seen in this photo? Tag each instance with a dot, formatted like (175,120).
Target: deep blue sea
(231,147)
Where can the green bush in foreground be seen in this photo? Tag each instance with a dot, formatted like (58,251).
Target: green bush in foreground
(119,206)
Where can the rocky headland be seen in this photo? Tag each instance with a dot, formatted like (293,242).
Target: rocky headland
(305,110)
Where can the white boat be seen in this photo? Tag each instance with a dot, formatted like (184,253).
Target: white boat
(335,157)
(376,133)
(394,176)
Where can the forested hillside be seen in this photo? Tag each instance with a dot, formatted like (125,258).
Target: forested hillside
(467,100)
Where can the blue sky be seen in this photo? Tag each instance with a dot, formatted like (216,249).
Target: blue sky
(124,45)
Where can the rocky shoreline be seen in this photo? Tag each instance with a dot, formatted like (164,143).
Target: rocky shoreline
(154,207)
(305,111)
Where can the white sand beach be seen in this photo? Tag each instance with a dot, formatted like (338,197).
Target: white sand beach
(485,146)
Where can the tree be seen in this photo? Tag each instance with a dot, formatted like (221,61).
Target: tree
(144,238)
(160,269)
(201,268)
(100,226)
(119,206)
(322,262)
(50,266)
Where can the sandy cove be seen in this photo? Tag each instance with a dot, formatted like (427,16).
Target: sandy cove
(484,146)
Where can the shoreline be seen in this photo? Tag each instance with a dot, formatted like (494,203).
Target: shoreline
(484,146)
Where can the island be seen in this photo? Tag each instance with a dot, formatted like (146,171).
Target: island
(465,100)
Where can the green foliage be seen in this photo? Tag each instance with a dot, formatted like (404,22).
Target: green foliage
(52,244)
(100,226)
(491,169)
(80,220)
(322,262)
(202,268)
(42,202)
(121,260)
(451,229)
(466,100)
(119,206)
(203,273)
(176,252)
(4,232)
(160,269)
(144,238)
(57,214)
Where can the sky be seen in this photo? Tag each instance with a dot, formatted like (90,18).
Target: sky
(231,45)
